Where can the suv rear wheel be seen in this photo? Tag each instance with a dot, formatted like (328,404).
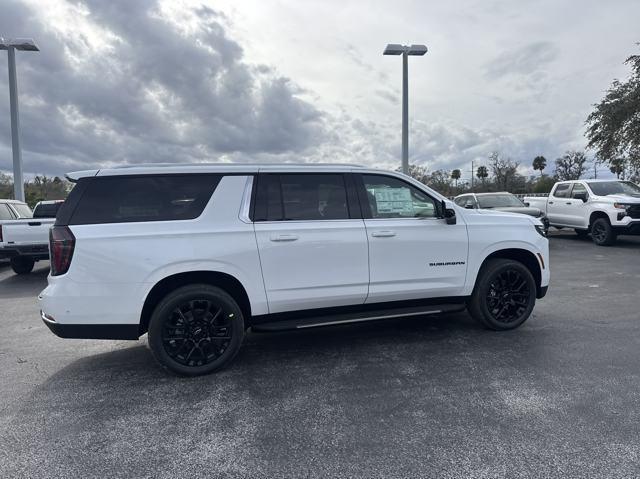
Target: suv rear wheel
(196,329)
(22,264)
(504,295)
(602,233)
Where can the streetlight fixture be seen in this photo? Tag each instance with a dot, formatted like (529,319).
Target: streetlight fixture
(11,45)
(405,51)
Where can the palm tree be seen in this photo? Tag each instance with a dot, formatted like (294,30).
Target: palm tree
(617,166)
(482,173)
(539,163)
(455,174)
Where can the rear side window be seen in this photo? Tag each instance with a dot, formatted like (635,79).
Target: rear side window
(562,190)
(23,210)
(47,210)
(301,197)
(126,199)
(5,213)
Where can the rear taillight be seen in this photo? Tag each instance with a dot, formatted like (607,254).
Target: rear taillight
(61,245)
(0,233)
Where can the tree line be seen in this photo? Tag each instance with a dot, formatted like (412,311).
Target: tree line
(39,189)
(613,133)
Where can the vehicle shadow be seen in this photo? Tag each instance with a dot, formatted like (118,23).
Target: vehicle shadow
(23,285)
(282,356)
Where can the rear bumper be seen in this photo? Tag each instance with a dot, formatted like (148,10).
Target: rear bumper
(35,251)
(91,331)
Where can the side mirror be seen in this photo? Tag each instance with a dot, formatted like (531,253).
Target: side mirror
(527,204)
(468,206)
(448,214)
(581,195)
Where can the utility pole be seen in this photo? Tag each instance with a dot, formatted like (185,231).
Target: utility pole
(471,175)
(405,51)
(11,45)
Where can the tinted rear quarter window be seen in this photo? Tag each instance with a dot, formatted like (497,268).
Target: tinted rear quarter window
(5,213)
(126,199)
(48,210)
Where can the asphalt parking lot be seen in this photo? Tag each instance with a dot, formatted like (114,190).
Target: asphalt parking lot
(416,397)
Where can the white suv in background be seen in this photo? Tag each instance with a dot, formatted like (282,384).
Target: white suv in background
(195,255)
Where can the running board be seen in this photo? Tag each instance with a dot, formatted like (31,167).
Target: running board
(337,319)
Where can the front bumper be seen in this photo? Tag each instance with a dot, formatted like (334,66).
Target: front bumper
(629,228)
(35,251)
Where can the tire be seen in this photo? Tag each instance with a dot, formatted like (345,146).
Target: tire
(184,327)
(582,233)
(22,264)
(602,233)
(493,301)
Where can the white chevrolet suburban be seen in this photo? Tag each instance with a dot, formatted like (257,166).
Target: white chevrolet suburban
(604,208)
(195,255)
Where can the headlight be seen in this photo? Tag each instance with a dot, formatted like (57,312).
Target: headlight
(621,206)
(540,229)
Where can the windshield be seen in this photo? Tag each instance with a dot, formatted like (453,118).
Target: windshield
(499,201)
(23,210)
(604,188)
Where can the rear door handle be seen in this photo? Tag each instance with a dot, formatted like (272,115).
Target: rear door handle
(550,202)
(569,202)
(284,237)
(383,234)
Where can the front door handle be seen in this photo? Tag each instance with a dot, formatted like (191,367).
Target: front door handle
(284,237)
(383,234)
(569,202)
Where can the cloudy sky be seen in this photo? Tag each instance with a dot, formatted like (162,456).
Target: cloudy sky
(125,82)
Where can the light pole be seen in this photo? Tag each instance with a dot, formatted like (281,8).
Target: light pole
(405,51)
(11,45)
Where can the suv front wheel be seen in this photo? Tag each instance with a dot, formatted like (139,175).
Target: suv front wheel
(196,329)
(504,294)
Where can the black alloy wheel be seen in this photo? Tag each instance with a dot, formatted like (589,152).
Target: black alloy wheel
(197,332)
(602,233)
(504,295)
(196,329)
(508,295)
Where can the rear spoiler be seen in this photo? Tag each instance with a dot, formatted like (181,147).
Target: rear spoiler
(74,176)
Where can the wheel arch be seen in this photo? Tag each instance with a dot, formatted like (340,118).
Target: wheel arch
(163,287)
(597,215)
(524,256)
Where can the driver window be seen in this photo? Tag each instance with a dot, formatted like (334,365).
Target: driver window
(392,198)
(578,189)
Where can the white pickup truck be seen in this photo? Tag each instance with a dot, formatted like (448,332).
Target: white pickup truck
(23,239)
(604,208)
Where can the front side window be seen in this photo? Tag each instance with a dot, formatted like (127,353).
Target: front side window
(301,197)
(578,189)
(390,197)
(125,199)
(562,190)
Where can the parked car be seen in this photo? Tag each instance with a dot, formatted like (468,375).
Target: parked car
(194,255)
(603,208)
(501,201)
(23,239)
(47,209)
